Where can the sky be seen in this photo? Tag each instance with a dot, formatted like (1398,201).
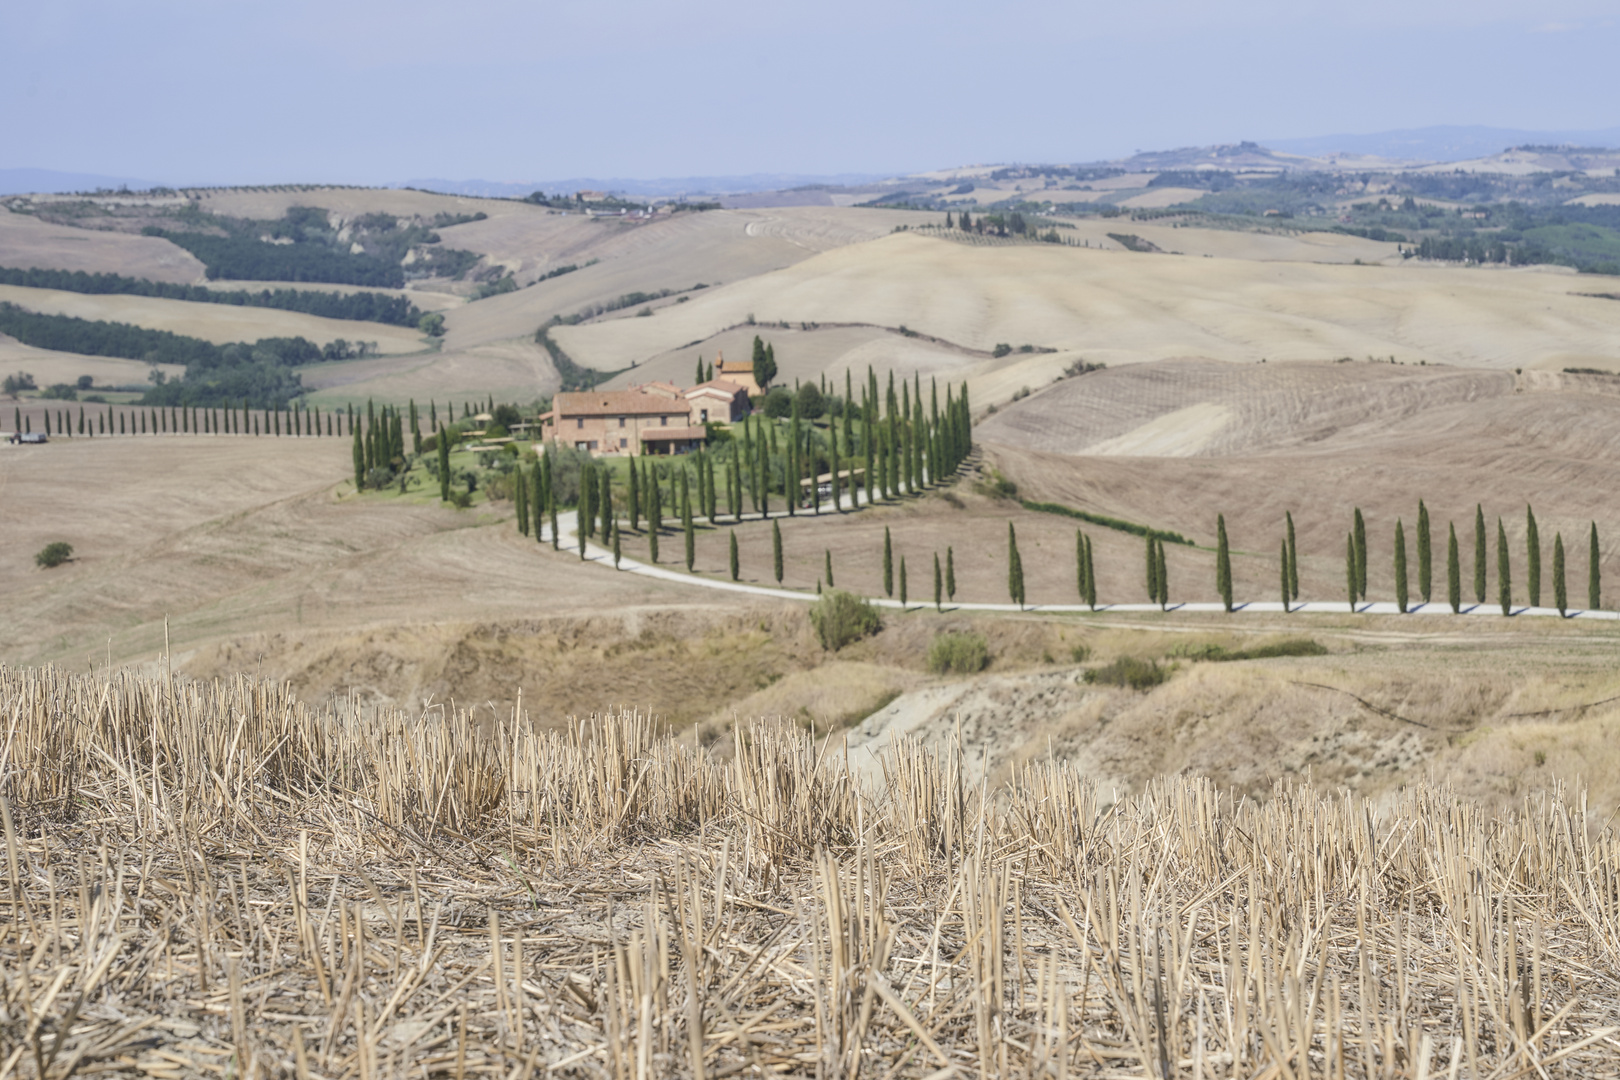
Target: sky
(341,91)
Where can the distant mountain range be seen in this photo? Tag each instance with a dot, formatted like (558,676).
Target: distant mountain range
(668,187)
(1445,143)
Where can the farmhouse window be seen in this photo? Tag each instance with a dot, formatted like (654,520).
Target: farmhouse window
(623,443)
(579,422)
(621,421)
(663,421)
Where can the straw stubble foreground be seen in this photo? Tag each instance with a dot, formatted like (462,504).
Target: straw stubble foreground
(214,879)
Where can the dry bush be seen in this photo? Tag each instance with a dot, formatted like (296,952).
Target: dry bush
(215,878)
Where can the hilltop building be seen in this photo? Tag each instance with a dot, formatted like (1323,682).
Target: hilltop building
(740,372)
(655,418)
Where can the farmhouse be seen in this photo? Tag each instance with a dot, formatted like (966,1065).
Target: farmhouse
(634,421)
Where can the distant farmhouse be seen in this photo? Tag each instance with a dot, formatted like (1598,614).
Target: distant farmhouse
(655,418)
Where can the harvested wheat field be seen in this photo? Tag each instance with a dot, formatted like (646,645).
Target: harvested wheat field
(26,241)
(1120,306)
(216,878)
(219,323)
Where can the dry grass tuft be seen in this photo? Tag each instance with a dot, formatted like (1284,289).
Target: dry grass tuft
(217,879)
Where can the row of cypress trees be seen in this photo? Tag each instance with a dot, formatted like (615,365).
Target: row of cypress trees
(1356,564)
(186,420)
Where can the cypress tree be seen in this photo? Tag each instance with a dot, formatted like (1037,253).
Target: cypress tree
(1350,567)
(604,501)
(1080,563)
(1223,562)
(1453,570)
(551,506)
(687,529)
(1532,552)
(1015,568)
(902,583)
(1091,579)
(1293,560)
(1594,574)
(1361,556)
(833,467)
(939,586)
(735,568)
(655,500)
(869,446)
(776,550)
(888,563)
(1425,559)
(635,495)
(792,465)
(1504,582)
(1163,575)
(537,500)
(585,512)
(1560,595)
(950,574)
(1282,565)
(1400,566)
(618,551)
(1152,569)
(652,532)
(360,465)
(1479,554)
(520,491)
(827,571)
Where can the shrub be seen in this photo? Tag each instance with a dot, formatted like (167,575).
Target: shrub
(841,618)
(1080,653)
(1288,647)
(55,553)
(1131,671)
(1001,349)
(958,654)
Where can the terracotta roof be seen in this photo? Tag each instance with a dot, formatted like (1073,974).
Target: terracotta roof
(660,434)
(616,403)
(724,386)
(661,389)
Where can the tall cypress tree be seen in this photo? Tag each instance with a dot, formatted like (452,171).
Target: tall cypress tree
(688,531)
(827,571)
(537,501)
(1400,566)
(1479,554)
(1163,574)
(950,574)
(1453,571)
(1293,559)
(1282,570)
(1532,553)
(1361,555)
(1425,560)
(1152,569)
(888,563)
(902,583)
(1015,568)
(1091,578)
(579,525)
(520,494)
(776,550)
(1350,567)
(1504,579)
(1080,564)
(585,512)
(1594,573)
(1223,562)
(618,549)
(444,460)
(1560,595)
(634,495)
(735,567)
(360,466)
(939,586)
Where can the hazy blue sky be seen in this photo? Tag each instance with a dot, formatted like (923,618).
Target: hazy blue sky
(212,90)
